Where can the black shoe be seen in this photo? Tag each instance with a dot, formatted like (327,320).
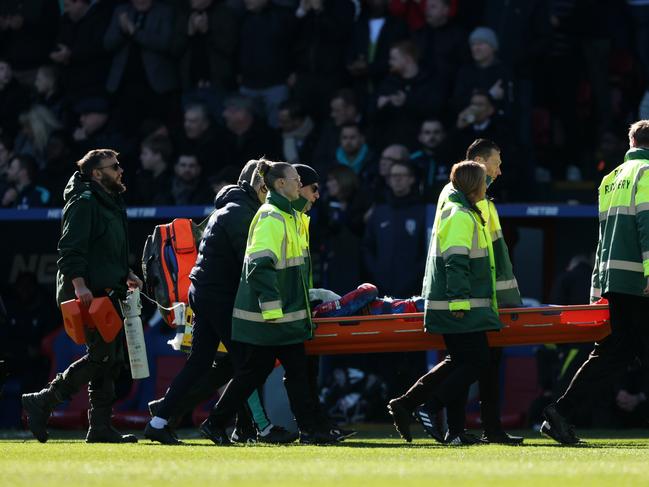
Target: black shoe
(429,422)
(401,417)
(38,413)
(278,436)
(162,435)
(557,427)
(316,437)
(214,433)
(462,439)
(107,434)
(501,438)
(244,436)
(342,434)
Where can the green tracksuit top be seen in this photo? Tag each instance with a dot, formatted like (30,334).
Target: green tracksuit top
(507,291)
(460,272)
(622,258)
(271,306)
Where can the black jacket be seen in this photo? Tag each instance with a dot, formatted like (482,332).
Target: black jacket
(222,248)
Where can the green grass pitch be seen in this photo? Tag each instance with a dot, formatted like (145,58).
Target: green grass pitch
(372,459)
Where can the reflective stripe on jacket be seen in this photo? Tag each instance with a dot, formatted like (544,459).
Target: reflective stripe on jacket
(460,272)
(622,257)
(271,306)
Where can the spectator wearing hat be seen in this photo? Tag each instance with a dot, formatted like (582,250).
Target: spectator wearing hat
(247,136)
(485,72)
(79,51)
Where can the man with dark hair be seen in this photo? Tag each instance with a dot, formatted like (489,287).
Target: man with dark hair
(90,265)
(487,153)
(353,151)
(154,178)
(297,130)
(189,186)
(432,159)
(24,193)
(621,275)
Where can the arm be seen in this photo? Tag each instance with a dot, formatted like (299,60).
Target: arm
(262,255)
(642,222)
(455,243)
(115,38)
(73,247)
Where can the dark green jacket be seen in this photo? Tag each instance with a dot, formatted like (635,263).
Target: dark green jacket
(460,272)
(272,306)
(94,240)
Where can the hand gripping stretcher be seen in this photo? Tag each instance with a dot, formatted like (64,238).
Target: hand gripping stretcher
(405,332)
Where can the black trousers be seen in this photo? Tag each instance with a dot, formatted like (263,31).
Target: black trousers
(203,373)
(99,368)
(253,365)
(489,389)
(628,341)
(448,382)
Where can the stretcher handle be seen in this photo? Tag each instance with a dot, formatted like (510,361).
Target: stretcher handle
(502,311)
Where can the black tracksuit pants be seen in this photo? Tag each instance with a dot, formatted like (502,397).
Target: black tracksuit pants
(449,381)
(253,364)
(202,375)
(629,340)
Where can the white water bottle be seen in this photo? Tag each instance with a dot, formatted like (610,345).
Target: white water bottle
(131,308)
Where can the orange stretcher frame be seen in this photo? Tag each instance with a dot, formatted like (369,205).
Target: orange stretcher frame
(405,332)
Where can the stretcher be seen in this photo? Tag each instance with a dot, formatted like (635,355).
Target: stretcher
(405,332)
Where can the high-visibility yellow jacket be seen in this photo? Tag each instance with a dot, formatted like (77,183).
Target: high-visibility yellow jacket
(622,258)
(507,291)
(460,271)
(271,306)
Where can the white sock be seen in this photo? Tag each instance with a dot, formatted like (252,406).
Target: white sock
(158,423)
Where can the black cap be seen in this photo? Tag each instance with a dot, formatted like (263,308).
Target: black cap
(307,174)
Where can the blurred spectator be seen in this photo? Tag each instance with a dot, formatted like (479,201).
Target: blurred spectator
(79,49)
(479,121)
(37,124)
(375,32)
(484,73)
(227,175)
(523,31)
(395,237)
(49,92)
(200,137)
(206,40)
(6,154)
(404,98)
(14,99)
(343,209)
(442,42)
(324,31)
(354,153)
(31,315)
(298,133)
(153,180)
(23,192)
(27,31)
(60,164)
(142,75)
(97,129)
(391,154)
(189,186)
(343,109)
(265,61)
(412,11)
(432,159)
(247,136)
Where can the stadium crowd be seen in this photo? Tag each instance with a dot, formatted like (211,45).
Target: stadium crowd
(381,97)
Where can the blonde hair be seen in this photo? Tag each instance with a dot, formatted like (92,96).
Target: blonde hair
(42,123)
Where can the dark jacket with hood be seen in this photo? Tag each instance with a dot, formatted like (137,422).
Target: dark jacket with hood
(94,240)
(222,248)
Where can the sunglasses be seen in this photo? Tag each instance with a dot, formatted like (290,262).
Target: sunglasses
(115,166)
